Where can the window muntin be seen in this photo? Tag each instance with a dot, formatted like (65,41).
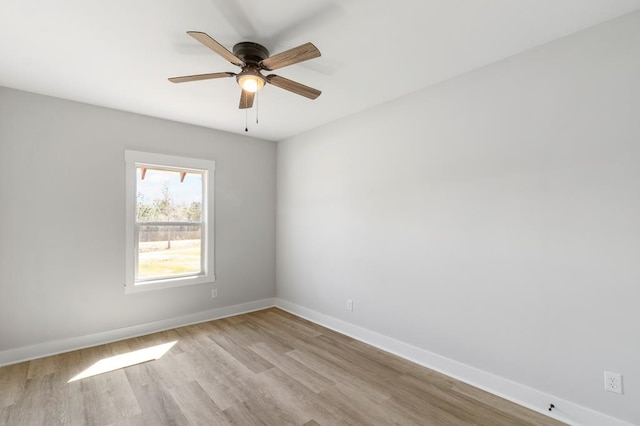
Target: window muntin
(169,221)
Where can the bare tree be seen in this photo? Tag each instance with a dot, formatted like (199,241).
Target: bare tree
(166,209)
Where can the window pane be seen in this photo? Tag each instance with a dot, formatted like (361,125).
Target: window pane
(165,251)
(162,197)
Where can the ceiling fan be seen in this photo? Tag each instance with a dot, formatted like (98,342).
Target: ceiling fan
(253,58)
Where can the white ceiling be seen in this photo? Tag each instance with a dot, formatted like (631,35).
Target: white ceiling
(119,53)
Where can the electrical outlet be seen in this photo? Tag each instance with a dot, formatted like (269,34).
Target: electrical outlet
(349,305)
(214,293)
(613,382)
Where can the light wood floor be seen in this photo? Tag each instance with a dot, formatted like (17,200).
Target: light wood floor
(267,367)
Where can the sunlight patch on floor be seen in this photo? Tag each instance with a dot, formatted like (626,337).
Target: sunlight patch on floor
(128,359)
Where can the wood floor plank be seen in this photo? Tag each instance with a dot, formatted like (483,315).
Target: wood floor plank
(42,367)
(249,358)
(158,406)
(107,398)
(272,403)
(224,394)
(342,376)
(276,345)
(435,402)
(12,382)
(39,402)
(297,400)
(218,373)
(5,414)
(72,404)
(242,414)
(303,374)
(361,408)
(197,406)
(263,368)
(137,420)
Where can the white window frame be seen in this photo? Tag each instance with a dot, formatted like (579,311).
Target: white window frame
(135,159)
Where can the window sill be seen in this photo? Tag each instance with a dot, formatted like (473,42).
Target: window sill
(168,283)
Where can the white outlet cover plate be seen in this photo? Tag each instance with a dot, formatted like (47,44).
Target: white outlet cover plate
(613,382)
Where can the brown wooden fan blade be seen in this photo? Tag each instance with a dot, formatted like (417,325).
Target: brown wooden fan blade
(246,99)
(216,47)
(186,78)
(292,56)
(292,86)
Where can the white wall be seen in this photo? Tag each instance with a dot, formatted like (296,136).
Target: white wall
(493,219)
(62,265)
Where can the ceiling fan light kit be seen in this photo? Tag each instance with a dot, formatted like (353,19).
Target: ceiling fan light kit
(253,58)
(250,82)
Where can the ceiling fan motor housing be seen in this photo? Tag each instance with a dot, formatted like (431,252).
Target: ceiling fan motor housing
(250,52)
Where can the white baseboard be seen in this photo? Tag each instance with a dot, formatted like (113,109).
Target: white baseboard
(564,411)
(40,350)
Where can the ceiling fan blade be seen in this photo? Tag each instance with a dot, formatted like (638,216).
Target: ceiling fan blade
(246,99)
(216,47)
(292,86)
(186,78)
(301,53)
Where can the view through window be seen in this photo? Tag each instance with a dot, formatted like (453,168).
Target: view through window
(168,222)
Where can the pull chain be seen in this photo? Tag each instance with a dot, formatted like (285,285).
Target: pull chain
(257,104)
(246,128)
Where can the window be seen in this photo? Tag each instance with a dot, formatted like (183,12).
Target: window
(169,224)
